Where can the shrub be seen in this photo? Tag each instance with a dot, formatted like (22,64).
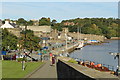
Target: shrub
(21,59)
(73,61)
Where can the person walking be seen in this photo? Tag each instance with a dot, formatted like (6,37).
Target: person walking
(50,55)
(53,60)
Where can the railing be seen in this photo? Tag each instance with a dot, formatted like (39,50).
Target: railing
(110,67)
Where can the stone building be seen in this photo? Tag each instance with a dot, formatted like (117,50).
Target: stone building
(44,29)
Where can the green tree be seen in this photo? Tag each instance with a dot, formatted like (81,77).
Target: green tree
(9,40)
(21,22)
(29,41)
(44,21)
(53,23)
(99,26)
(30,23)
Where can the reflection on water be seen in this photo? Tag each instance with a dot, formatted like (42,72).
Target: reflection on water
(98,53)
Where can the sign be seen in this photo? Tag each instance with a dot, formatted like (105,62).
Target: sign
(3,52)
(39,53)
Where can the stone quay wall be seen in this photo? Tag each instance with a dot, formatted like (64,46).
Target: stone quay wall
(67,72)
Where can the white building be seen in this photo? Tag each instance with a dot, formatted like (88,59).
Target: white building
(7,25)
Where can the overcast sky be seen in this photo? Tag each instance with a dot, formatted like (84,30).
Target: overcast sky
(58,10)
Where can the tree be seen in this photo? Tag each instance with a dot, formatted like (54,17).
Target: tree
(54,21)
(44,21)
(98,26)
(21,22)
(9,40)
(30,23)
(29,41)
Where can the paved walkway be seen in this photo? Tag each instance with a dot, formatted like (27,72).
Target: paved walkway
(46,71)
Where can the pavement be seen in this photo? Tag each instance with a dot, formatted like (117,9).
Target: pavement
(46,71)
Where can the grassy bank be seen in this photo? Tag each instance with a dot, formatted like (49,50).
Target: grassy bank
(13,69)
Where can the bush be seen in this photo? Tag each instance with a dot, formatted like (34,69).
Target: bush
(73,61)
(7,57)
(21,59)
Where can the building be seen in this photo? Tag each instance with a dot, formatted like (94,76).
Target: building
(1,22)
(35,22)
(44,29)
(69,23)
(8,24)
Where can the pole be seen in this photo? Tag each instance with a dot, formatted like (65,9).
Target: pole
(66,53)
(117,55)
(118,63)
(23,67)
(66,41)
(19,45)
(25,34)
(78,32)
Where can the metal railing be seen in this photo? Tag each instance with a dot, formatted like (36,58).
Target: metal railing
(110,67)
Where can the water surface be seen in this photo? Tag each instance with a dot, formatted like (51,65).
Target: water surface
(99,53)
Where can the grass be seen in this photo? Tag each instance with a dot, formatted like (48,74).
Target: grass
(0,69)
(13,69)
(73,61)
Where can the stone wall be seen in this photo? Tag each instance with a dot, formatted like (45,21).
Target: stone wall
(87,36)
(53,34)
(65,71)
(38,28)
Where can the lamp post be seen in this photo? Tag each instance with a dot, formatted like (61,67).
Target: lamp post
(117,55)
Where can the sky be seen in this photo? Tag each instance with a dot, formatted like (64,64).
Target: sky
(60,0)
(58,10)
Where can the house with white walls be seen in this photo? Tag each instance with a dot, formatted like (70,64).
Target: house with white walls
(7,25)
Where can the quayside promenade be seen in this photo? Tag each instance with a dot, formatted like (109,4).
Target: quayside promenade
(65,69)
(46,71)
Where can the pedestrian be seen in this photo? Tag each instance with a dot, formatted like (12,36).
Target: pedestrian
(50,54)
(53,60)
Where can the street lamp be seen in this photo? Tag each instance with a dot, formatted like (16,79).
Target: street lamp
(117,55)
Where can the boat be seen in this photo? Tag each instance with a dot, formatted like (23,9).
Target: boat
(93,41)
(80,43)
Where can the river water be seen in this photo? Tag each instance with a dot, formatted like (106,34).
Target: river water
(99,53)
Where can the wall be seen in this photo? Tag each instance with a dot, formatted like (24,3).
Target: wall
(65,71)
(87,36)
(68,70)
(38,28)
